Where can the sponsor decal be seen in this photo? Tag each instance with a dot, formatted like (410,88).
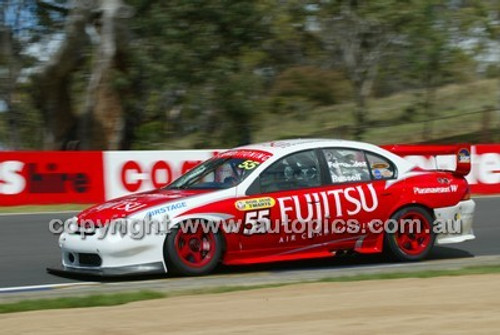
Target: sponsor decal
(253,155)
(254,203)
(288,144)
(386,173)
(443,180)
(464,156)
(248,164)
(348,165)
(166,209)
(434,190)
(129,206)
(380,165)
(343,179)
(257,222)
(337,203)
(280,144)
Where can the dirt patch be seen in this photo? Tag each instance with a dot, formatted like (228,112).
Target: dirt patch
(443,305)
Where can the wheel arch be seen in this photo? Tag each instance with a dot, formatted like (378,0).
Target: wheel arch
(379,241)
(425,207)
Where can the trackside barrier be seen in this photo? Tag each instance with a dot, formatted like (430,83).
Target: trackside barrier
(52,177)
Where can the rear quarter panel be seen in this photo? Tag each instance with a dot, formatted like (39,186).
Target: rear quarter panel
(433,189)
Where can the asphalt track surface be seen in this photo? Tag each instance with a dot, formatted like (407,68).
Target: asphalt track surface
(27,248)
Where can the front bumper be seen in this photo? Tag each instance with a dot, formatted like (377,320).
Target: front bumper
(457,222)
(113,255)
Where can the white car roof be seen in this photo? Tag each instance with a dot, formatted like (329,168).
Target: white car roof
(282,147)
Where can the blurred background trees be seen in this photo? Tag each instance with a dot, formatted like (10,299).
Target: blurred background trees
(119,74)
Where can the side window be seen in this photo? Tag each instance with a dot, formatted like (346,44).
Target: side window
(295,171)
(380,167)
(346,165)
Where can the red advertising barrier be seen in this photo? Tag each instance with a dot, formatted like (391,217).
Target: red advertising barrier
(51,177)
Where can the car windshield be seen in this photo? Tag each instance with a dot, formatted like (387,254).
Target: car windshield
(216,173)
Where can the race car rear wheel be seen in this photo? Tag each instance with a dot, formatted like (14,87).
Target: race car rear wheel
(410,236)
(192,252)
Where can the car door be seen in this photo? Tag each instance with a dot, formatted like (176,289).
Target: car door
(280,205)
(352,198)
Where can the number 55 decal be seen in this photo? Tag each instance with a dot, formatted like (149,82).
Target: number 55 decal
(257,222)
(248,165)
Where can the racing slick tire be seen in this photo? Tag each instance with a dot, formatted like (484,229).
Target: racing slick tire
(401,243)
(192,253)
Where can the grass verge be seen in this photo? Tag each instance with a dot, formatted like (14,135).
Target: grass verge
(126,297)
(79,302)
(473,270)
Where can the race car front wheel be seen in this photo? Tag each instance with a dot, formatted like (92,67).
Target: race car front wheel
(189,252)
(410,235)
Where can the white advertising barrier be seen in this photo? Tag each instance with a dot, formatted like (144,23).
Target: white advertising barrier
(128,172)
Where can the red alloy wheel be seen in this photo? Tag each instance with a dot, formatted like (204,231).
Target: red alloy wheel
(414,242)
(195,249)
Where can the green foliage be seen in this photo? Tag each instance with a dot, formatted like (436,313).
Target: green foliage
(149,135)
(492,71)
(319,86)
(216,71)
(200,56)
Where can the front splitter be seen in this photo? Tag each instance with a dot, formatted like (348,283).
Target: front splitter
(124,271)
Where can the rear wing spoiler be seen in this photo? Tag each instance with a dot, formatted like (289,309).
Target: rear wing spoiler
(462,152)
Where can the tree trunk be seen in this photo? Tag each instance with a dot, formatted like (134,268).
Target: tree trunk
(103,115)
(52,84)
(359,113)
(9,83)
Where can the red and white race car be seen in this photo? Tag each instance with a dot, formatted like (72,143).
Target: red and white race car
(276,201)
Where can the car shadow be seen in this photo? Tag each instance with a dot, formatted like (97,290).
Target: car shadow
(448,253)
(346,261)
